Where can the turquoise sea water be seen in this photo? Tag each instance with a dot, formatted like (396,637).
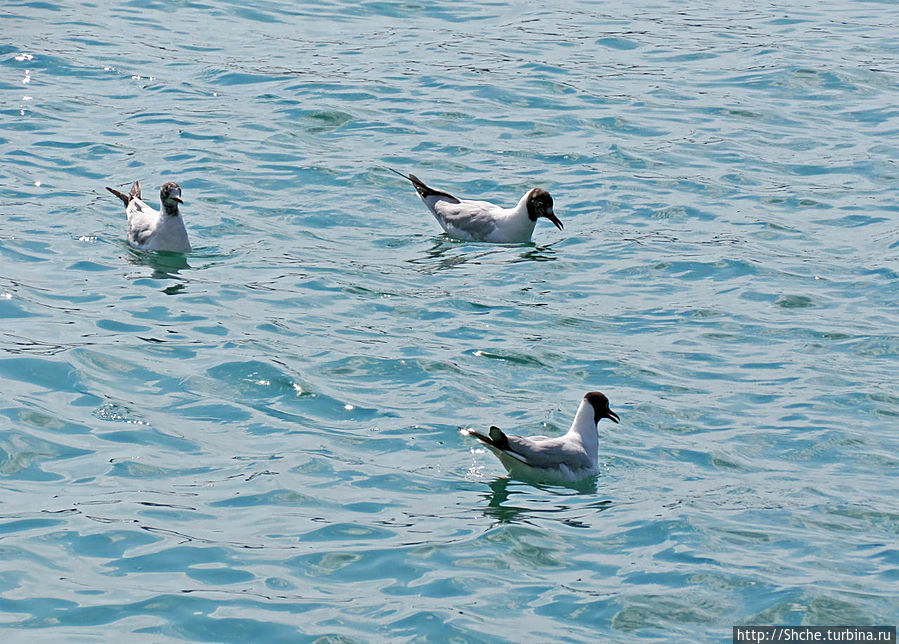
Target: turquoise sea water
(260,441)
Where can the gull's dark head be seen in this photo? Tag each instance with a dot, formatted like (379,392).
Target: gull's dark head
(170,196)
(540,204)
(600,406)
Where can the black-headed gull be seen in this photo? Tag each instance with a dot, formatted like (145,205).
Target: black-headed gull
(563,459)
(483,221)
(150,229)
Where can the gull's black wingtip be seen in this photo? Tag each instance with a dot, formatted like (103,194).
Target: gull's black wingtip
(475,434)
(404,176)
(498,438)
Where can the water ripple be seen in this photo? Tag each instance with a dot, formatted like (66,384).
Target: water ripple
(260,441)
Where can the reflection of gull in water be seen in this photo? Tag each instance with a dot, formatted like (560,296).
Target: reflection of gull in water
(165,266)
(482,221)
(539,254)
(503,507)
(564,459)
(447,254)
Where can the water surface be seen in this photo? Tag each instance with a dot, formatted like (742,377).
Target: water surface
(260,441)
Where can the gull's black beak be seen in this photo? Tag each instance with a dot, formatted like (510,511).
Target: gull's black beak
(611,415)
(178,199)
(552,217)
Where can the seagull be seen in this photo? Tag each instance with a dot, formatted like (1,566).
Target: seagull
(482,221)
(563,459)
(150,229)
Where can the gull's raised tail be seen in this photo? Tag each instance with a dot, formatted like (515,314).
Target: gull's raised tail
(424,191)
(497,441)
(134,193)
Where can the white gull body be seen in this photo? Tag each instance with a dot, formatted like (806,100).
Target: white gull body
(150,229)
(563,459)
(483,221)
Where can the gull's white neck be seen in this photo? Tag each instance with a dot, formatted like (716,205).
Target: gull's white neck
(584,427)
(170,233)
(521,208)
(517,226)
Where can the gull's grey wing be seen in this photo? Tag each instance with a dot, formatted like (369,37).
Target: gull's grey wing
(548,453)
(474,220)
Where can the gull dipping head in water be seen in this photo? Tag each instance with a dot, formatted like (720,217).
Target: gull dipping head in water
(150,229)
(482,221)
(563,459)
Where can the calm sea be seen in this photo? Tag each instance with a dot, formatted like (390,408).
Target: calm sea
(259,441)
